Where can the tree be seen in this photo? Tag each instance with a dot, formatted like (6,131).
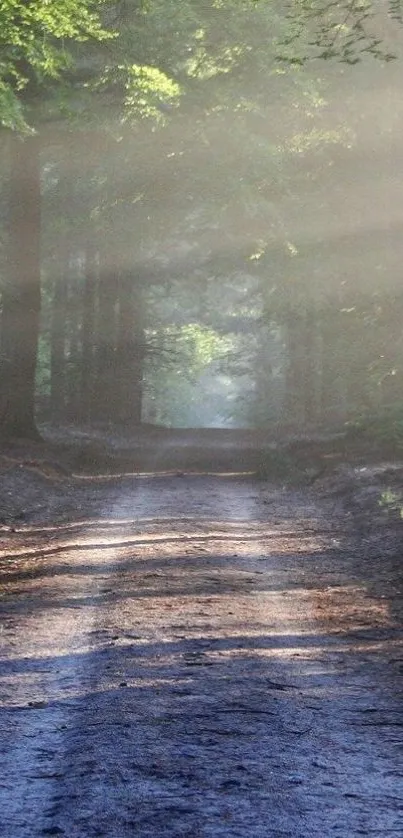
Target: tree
(346,31)
(213,140)
(34,49)
(32,53)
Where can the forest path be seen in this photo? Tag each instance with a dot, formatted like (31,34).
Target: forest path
(198,661)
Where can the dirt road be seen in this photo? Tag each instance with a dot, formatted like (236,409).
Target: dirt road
(202,659)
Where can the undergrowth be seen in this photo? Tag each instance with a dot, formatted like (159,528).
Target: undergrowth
(384,428)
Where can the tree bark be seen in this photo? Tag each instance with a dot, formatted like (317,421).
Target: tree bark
(88,336)
(301,384)
(130,352)
(103,403)
(21,299)
(294,402)
(73,346)
(309,376)
(58,335)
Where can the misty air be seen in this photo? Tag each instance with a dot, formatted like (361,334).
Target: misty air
(201,419)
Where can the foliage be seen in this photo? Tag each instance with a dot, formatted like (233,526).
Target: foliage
(217,173)
(184,364)
(344,31)
(384,427)
(163,43)
(34,47)
(145,92)
(392,501)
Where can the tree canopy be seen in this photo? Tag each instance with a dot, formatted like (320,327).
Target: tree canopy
(197,221)
(159,38)
(34,47)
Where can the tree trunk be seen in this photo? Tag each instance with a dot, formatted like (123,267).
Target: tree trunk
(88,336)
(309,372)
(103,404)
(58,335)
(130,352)
(294,406)
(21,298)
(330,401)
(73,347)
(300,396)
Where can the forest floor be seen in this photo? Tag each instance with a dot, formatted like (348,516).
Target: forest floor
(197,645)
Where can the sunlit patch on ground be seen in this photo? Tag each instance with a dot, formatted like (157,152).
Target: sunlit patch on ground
(203,651)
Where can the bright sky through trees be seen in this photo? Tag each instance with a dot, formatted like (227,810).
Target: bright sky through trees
(221,170)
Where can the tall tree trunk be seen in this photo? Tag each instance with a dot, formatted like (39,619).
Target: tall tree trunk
(130,352)
(294,403)
(300,396)
(74,305)
(88,336)
(22,294)
(330,400)
(103,405)
(58,334)
(309,372)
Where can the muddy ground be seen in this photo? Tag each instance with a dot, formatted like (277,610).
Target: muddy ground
(198,642)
